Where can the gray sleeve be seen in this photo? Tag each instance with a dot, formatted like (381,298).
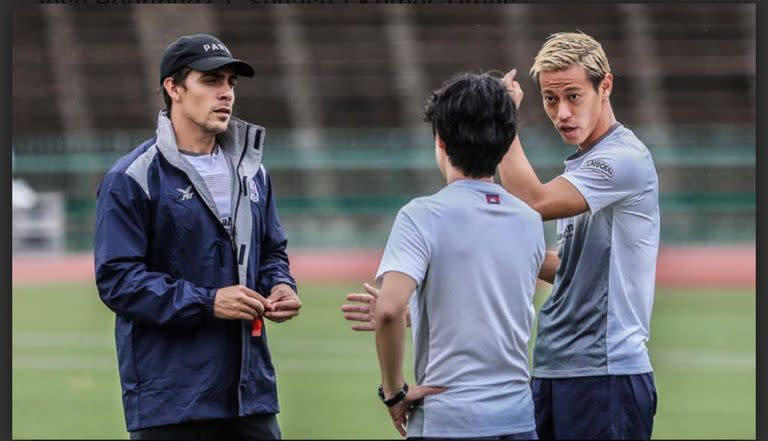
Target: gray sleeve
(407,250)
(608,177)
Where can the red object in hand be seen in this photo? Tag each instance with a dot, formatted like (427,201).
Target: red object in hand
(256,326)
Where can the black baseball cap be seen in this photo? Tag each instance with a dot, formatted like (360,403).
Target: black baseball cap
(200,52)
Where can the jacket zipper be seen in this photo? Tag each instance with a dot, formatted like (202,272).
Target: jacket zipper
(243,339)
(239,194)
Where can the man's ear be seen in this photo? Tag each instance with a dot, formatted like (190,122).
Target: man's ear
(439,143)
(172,88)
(606,85)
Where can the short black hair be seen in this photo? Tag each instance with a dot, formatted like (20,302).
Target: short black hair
(476,119)
(178,77)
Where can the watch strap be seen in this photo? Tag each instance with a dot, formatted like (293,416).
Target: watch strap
(394,399)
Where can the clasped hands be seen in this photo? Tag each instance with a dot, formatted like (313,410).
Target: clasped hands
(240,302)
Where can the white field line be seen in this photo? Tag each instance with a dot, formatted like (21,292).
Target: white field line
(62,362)
(309,354)
(312,354)
(34,340)
(329,363)
(693,359)
(57,339)
(282,364)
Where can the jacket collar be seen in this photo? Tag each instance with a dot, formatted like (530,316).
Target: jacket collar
(239,136)
(242,145)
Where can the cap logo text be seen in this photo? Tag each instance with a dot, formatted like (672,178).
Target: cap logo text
(215,47)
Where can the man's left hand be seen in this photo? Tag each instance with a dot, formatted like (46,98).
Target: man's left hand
(285,304)
(402,410)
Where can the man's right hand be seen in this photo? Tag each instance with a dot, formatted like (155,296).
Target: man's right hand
(363,311)
(239,302)
(513,87)
(365,308)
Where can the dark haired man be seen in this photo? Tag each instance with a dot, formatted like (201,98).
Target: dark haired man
(190,255)
(467,260)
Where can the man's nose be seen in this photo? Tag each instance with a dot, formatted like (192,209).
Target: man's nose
(227,93)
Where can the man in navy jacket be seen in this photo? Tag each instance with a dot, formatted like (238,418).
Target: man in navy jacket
(190,255)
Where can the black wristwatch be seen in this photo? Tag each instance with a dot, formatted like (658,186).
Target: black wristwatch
(396,398)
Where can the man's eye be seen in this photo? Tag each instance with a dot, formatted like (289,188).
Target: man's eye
(574,96)
(549,99)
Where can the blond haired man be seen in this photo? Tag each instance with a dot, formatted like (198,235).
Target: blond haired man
(592,377)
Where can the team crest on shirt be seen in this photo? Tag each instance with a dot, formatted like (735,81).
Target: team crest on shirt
(253,190)
(492,198)
(600,166)
(186,193)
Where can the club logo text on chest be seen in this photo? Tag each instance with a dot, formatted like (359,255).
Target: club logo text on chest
(601,166)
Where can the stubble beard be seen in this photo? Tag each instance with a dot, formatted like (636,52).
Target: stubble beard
(216,127)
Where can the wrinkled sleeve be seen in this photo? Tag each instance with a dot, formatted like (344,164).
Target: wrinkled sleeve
(275,267)
(120,245)
(608,178)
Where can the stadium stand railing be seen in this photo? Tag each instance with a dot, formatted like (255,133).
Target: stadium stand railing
(379,171)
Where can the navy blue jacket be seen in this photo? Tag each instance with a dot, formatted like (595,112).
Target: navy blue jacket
(161,252)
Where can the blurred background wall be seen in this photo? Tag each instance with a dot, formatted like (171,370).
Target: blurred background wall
(341,89)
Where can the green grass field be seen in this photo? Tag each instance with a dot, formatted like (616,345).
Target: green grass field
(65,382)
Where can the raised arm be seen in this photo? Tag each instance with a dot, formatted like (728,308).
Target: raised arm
(554,200)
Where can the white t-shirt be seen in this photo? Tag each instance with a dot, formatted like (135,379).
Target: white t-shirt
(597,320)
(475,252)
(214,170)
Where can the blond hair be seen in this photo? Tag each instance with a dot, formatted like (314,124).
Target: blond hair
(565,49)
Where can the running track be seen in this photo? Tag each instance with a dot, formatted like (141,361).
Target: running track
(679,266)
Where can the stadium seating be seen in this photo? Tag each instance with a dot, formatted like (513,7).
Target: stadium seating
(354,77)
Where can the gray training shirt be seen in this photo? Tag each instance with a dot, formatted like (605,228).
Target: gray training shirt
(474,251)
(597,320)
